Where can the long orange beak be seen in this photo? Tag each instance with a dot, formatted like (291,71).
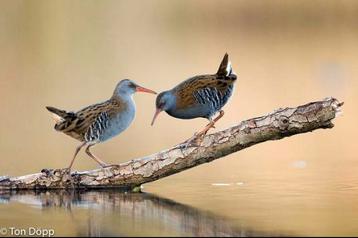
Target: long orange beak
(144,90)
(155,115)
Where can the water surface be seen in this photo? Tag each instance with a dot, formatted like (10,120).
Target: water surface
(111,213)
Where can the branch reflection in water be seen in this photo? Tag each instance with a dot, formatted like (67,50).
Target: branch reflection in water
(115,213)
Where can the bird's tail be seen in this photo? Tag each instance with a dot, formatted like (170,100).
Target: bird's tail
(60,115)
(225,68)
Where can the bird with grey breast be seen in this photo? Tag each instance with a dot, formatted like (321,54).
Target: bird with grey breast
(199,96)
(99,122)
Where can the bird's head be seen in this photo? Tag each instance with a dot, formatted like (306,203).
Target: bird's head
(165,101)
(128,87)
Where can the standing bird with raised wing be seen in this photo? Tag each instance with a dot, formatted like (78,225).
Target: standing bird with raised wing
(199,96)
(102,121)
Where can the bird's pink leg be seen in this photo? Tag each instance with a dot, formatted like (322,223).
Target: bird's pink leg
(211,124)
(100,162)
(76,152)
(199,135)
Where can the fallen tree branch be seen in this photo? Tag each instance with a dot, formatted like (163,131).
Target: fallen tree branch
(130,175)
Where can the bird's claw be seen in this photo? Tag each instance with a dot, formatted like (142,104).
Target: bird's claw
(68,170)
(211,125)
(194,141)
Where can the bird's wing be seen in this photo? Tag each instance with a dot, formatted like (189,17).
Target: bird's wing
(90,121)
(199,89)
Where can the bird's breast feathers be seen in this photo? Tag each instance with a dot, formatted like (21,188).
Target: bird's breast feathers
(119,121)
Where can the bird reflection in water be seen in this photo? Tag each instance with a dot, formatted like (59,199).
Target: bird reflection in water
(112,212)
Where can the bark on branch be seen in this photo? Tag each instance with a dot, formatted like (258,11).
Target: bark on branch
(130,175)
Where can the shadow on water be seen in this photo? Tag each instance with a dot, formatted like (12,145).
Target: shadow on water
(137,209)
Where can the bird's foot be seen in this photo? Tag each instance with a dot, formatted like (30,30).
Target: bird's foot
(195,140)
(209,126)
(68,170)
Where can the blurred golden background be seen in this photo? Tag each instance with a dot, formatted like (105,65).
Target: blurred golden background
(70,54)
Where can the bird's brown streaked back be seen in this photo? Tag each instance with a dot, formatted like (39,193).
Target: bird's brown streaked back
(77,125)
(187,89)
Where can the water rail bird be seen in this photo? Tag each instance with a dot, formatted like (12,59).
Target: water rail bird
(199,96)
(99,122)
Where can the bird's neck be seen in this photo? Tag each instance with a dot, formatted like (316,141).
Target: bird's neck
(171,101)
(124,98)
